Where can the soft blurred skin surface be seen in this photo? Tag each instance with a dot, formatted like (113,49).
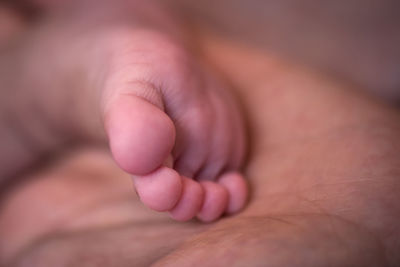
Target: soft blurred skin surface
(324,165)
(122,73)
(11,24)
(354,40)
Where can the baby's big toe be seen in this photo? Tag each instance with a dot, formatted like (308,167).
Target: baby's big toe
(141,135)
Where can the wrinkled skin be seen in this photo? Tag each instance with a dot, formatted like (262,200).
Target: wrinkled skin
(323,165)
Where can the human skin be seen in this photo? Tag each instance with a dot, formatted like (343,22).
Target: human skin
(121,72)
(323,165)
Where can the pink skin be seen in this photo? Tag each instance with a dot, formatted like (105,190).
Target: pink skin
(153,110)
(191,201)
(142,136)
(237,187)
(155,100)
(160,190)
(216,198)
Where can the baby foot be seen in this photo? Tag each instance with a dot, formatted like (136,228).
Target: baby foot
(174,127)
(170,123)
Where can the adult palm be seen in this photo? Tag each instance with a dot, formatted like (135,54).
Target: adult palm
(324,167)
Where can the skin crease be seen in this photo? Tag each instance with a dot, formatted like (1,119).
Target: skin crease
(324,165)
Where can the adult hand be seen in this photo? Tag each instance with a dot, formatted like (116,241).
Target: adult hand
(324,169)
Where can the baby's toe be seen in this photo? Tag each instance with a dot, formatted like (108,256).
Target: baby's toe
(216,198)
(141,135)
(238,191)
(160,190)
(190,202)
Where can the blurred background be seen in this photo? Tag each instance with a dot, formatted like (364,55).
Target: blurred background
(356,40)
